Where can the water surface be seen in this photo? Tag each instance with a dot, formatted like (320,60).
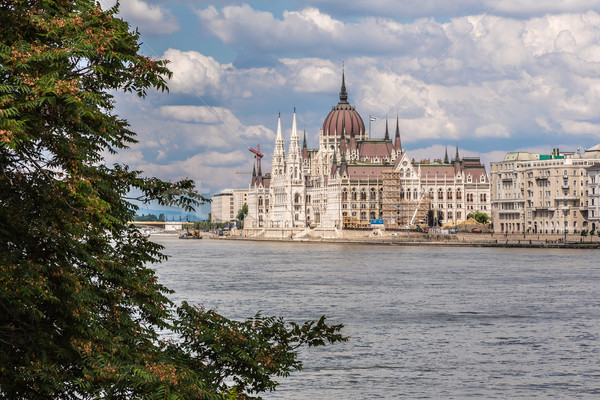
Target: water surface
(425,322)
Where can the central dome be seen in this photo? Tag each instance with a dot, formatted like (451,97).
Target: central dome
(343,118)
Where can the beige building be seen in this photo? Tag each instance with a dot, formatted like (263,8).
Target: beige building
(227,203)
(542,193)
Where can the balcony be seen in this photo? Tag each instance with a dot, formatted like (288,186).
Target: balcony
(565,185)
(567,197)
(541,178)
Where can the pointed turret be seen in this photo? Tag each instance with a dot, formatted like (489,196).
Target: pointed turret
(294,154)
(304,141)
(279,151)
(352,144)
(446,160)
(397,143)
(294,139)
(343,93)
(387,132)
(253,175)
(456,157)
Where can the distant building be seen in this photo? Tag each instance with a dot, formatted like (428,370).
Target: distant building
(352,180)
(227,203)
(545,193)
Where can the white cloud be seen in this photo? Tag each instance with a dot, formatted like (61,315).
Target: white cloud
(312,75)
(150,19)
(444,8)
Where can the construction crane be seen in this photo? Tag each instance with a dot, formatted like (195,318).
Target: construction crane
(258,155)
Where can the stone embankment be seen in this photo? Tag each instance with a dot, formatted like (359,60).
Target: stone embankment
(423,239)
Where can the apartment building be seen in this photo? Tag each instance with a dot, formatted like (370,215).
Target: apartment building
(227,203)
(543,193)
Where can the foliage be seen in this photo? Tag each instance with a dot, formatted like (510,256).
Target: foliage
(479,216)
(79,307)
(584,233)
(146,218)
(242,213)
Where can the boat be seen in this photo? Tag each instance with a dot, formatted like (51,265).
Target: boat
(189,236)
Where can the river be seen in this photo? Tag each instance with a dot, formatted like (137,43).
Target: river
(427,323)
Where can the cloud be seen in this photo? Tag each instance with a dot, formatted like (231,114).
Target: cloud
(457,8)
(150,19)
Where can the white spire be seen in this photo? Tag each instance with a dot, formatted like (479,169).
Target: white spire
(279,152)
(294,162)
(294,152)
(279,128)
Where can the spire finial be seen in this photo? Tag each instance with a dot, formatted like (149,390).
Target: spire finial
(387,133)
(397,143)
(456,157)
(304,142)
(343,93)
(446,161)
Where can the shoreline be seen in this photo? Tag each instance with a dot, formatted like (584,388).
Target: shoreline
(419,239)
(510,243)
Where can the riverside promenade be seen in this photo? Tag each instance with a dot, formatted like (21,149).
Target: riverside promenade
(573,241)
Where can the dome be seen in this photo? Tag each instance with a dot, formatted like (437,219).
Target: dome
(343,117)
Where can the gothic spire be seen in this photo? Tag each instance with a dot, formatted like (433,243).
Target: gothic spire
(456,157)
(446,161)
(397,143)
(279,127)
(304,142)
(387,133)
(343,93)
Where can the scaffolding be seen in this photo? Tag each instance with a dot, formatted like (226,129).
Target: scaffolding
(402,209)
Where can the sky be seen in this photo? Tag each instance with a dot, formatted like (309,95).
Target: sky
(488,76)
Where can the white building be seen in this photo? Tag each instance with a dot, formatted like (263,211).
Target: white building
(346,182)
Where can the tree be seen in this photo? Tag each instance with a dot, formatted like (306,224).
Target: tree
(242,213)
(162,217)
(80,309)
(478,216)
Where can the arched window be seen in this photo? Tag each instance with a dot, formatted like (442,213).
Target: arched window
(449,195)
(440,194)
(458,194)
(363,194)
(354,194)
(372,196)
(344,194)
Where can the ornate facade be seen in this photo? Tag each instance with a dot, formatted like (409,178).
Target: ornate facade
(352,180)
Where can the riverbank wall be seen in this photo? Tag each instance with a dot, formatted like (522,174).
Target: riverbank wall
(377,237)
